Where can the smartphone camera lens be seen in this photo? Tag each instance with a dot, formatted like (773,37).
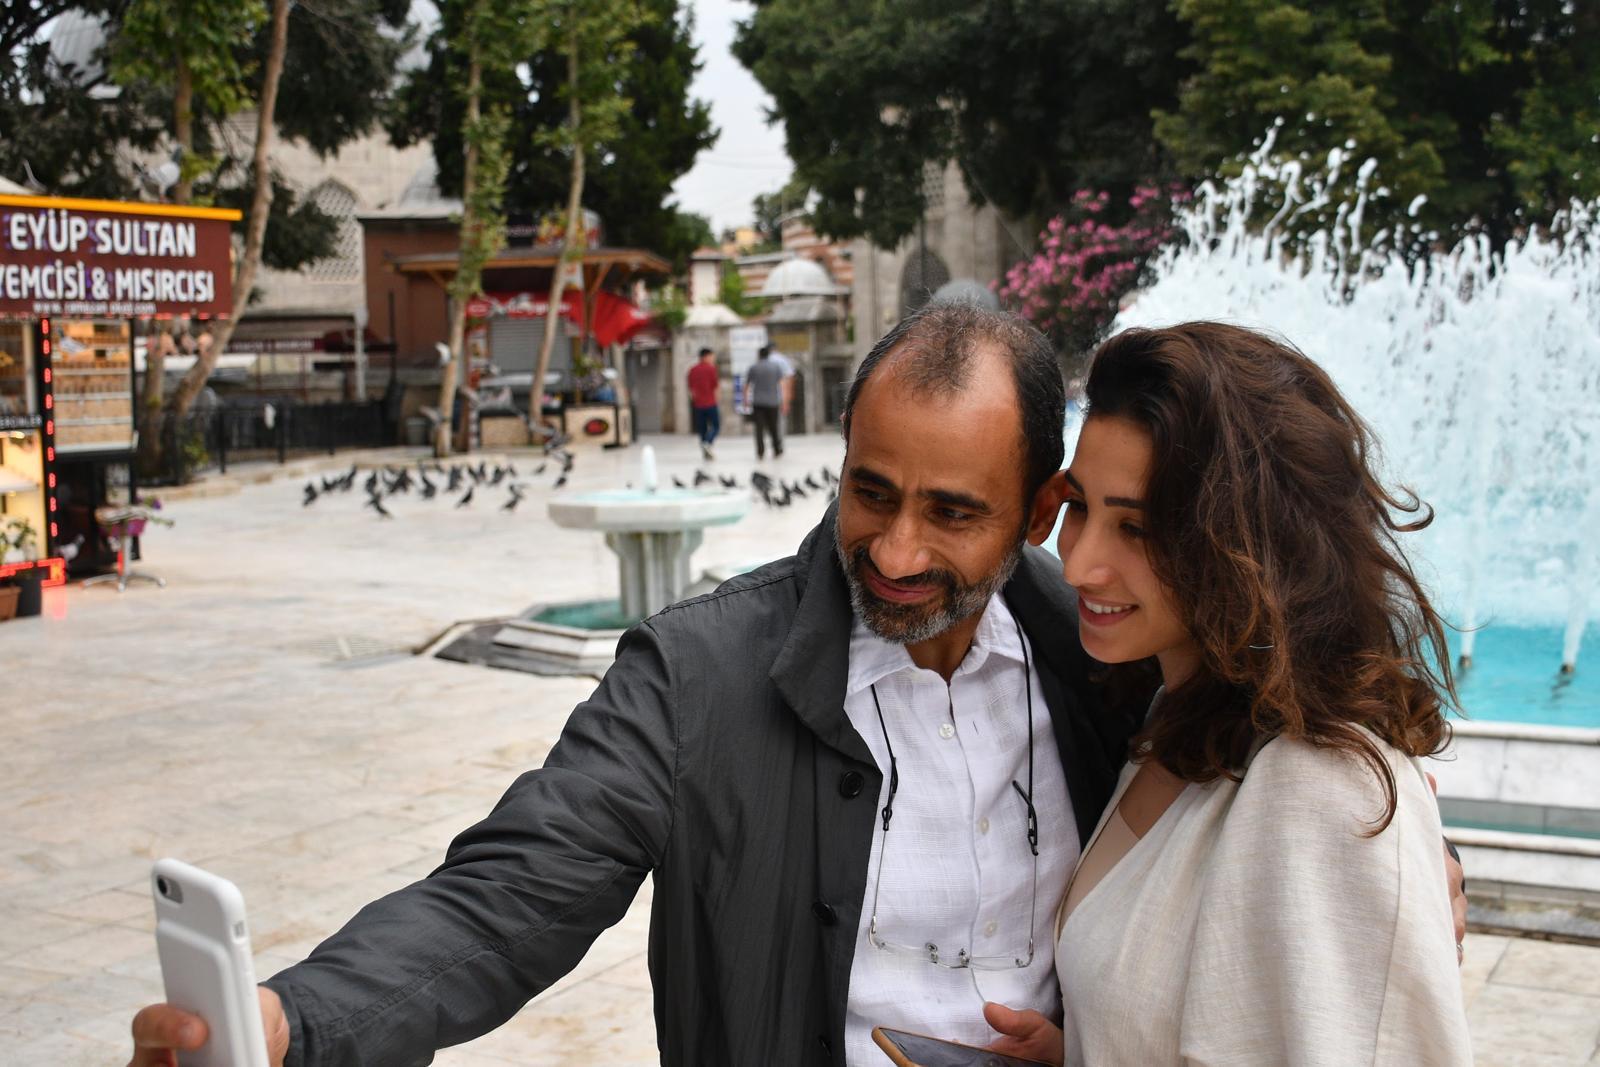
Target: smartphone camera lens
(163,888)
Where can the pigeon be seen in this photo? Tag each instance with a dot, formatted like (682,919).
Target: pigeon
(455,479)
(511,469)
(311,495)
(678,482)
(540,468)
(466,498)
(375,502)
(516,498)
(69,551)
(728,481)
(701,478)
(499,475)
(829,477)
(811,483)
(760,481)
(371,484)
(428,488)
(561,480)
(796,490)
(329,484)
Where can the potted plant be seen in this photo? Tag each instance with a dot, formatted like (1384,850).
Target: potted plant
(19,543)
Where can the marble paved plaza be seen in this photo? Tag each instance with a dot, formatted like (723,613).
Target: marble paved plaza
(263,717)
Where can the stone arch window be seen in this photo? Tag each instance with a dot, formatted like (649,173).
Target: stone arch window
(336,200)
(924,272)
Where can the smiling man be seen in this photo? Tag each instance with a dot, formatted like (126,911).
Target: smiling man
(859,776)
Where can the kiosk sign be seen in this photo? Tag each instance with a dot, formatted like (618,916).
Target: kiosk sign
(106,258)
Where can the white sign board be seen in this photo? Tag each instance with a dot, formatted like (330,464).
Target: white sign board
(743,344)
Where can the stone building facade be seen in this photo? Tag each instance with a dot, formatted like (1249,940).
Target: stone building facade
(956,241)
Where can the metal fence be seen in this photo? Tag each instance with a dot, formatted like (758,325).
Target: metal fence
(270,429)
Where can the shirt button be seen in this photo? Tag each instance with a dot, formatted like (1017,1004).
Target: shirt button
(850,783)
(983,826)
(989,928)
(825,913)
(947,730)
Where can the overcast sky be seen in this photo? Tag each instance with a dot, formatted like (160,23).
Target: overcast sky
(748,158)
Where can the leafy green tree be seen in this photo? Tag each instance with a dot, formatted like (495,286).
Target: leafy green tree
(689,232)
(1032,101)
(248,262)
(596,36)
(197,49)
(339,70)
(491,35)
(1486,107)
(629,182)
(1513,92)
(731,293)
(54,120)
(770,209)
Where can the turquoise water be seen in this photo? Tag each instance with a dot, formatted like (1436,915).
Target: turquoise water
(1516,677)
(587,615)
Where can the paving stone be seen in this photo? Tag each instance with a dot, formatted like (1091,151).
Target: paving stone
(216,721)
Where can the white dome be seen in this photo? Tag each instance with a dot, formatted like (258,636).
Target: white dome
(800,277)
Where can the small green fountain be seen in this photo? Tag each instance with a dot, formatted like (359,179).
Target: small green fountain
(654,533)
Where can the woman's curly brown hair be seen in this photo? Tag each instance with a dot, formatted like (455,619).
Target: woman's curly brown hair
(1280,546)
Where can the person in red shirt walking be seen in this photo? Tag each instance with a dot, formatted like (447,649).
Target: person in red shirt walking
(704,385)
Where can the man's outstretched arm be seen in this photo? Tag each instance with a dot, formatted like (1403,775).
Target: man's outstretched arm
(518,900)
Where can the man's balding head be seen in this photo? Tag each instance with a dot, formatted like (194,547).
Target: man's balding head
(941,347)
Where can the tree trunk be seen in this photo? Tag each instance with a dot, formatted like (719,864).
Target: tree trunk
(183,128)
(454,368)
(244,275)
(574,235)
(153,396)
(151,399)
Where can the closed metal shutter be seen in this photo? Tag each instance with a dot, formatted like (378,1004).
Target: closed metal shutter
(514,346)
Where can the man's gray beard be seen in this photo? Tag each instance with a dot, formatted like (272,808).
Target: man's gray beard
(910,624)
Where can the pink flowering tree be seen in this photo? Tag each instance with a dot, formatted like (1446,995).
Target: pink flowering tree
(1073,285)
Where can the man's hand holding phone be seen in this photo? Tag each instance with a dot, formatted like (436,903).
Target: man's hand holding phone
(1025,1034)
(161,1031)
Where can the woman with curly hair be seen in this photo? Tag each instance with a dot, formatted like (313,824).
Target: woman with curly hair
(1267,884)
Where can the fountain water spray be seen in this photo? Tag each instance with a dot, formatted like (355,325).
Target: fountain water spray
(1479,371)
(647,469)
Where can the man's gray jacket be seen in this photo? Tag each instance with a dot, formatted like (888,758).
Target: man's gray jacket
(716,754)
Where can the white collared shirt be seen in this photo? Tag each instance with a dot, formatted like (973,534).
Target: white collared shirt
(959,872)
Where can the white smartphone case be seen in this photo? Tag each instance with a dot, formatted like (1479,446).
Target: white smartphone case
(204,946)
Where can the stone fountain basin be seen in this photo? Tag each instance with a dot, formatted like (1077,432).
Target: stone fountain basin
(635,511)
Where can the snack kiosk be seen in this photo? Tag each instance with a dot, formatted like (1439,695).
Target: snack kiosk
(78,279)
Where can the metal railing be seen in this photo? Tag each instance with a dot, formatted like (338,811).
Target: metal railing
(272,429)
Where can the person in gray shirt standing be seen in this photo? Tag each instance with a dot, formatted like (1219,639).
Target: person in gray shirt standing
(764,393)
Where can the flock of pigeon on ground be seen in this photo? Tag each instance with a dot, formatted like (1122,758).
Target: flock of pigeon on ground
(465,482)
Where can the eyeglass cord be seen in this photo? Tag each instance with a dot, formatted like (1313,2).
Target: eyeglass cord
(1027,799)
